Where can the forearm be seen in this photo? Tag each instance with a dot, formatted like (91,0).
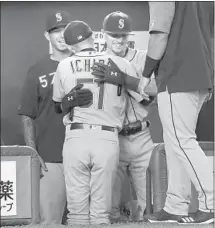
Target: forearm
(132,83)
(29,131)
(59,108)
(161,18)
(157,45)
(156,49)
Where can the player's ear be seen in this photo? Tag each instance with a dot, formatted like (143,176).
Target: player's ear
(46,34)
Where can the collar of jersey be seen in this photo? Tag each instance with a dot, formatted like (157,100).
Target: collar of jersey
(131,53)
(88,49)
(88,52)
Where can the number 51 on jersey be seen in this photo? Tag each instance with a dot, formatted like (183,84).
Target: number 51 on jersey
(101,91)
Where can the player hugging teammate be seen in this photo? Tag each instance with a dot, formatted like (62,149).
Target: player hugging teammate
(91,167)
(134,139)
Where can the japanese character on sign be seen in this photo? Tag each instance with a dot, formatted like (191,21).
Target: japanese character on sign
(5,206)
(6,190)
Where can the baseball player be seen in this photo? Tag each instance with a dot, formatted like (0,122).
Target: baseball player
(183,68)
(43,128)
(135,145)
(185,86)
(91,148)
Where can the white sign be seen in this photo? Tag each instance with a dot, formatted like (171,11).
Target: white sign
(8,188)
(139,40)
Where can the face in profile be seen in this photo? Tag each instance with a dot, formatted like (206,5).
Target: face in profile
(116,42)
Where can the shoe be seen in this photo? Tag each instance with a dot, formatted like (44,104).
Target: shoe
(200,217)
(162,216)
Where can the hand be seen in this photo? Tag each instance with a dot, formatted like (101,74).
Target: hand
(43,166)
(210,94)
(77,97)
(147,102)
(151,88)
(109,73)
(144,82)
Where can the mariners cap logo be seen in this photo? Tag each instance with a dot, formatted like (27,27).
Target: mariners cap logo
(58,17)
(121,23)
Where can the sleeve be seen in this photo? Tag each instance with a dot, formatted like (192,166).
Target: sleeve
(58,90)
(161,16)
(29,102)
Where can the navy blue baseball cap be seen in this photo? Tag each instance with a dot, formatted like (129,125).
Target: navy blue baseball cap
(118,23)
(76,31)
(57,19)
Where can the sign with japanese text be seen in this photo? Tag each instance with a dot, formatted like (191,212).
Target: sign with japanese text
(139,40)
(8,188)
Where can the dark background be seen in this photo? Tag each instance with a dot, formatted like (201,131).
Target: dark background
(23,43)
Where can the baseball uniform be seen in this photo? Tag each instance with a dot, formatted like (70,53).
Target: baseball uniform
(136,149)
(184,78)
(91,148)
(36,102)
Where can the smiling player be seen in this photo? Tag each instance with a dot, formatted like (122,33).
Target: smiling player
(43,128)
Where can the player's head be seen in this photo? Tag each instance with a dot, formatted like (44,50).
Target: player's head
(117,26)
(78,35)
(55,25)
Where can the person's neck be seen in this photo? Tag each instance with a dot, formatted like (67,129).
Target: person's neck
(58,56)
(121,54)
(86,47)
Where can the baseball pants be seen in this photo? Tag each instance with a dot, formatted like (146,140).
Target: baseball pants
(135,154)
(185,159)
(90,158)
(52,194)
